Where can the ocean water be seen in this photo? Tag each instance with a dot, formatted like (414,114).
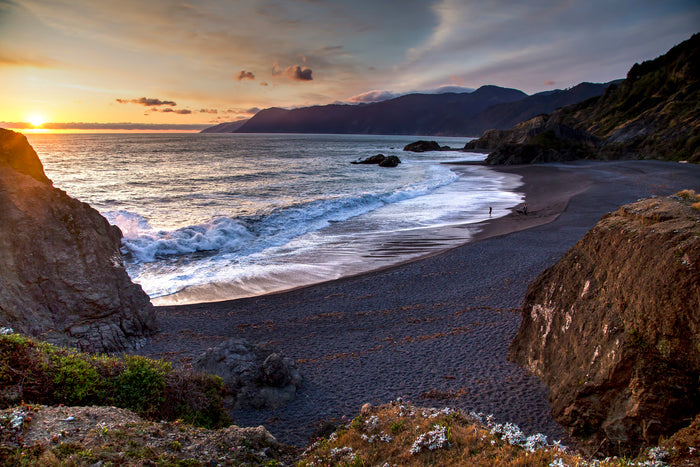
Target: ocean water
(211,217)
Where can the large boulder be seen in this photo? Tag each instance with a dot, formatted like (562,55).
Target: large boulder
(254,375)
(62,277)
(614,327)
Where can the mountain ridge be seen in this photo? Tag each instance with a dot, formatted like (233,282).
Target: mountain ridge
(448,114)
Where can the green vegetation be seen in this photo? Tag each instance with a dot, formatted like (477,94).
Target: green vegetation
(40,373)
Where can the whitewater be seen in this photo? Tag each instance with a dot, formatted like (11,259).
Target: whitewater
(210,217)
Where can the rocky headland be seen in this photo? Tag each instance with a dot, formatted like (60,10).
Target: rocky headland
(652,114)
(62,277)
(614,327)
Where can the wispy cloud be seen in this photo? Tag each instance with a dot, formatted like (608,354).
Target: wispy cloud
(147,101)
(8,58)
(176,111)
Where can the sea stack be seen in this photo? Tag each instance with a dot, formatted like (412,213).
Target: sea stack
(62,277)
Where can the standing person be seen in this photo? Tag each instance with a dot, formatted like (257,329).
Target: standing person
(490,210)
(525,209)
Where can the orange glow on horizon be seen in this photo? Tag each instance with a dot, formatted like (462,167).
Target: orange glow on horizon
(36,120)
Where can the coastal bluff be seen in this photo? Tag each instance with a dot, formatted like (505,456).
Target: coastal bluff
(62,277)
(651,114)
(613,328)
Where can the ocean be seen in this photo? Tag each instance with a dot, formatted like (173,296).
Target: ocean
(210,217)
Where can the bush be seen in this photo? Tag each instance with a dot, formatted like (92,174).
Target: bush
(37,372)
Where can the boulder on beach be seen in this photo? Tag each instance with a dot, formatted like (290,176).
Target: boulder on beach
(424,146)
(254,375)
(613,328)
(62,277)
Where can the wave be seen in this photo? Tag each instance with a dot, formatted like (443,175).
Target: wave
(251,234)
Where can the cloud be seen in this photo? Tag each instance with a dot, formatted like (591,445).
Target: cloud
(373,96)
(264,84)
(293,72)
(147,101)
(13,59)
(252,110)
(378,95)
(105,126)
(549,82)
(245,75)
(177,111)
(208,111)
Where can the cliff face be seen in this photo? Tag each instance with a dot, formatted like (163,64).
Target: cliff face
(652,114)
(62,278)
(614,327)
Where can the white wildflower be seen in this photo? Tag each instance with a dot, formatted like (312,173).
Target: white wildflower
(6,331)
(534,442)
(434,439)
(371,422)
(558,462)
(658,454)
(344,454)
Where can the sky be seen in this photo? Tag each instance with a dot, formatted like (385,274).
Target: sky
(165,64)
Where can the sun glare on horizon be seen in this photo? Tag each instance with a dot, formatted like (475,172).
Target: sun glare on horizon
(36,120)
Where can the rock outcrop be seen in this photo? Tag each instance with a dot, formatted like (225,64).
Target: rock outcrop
(425,146)
(62,278)
(614,327)
(254,375)
(381,160)
(540,139)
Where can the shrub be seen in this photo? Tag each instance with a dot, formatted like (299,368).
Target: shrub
(37,372)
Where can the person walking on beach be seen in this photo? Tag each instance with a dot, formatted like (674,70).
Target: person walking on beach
(525,209)
(490,209)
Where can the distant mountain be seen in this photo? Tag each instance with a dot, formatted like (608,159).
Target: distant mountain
(413,114)
(652,114)
(448,114)
(227,127)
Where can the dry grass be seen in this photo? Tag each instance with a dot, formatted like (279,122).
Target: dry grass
(689,195)
(404,435)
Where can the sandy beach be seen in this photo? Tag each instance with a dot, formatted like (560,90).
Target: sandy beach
(435,330)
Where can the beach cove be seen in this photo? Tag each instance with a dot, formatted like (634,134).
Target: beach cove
(435,330)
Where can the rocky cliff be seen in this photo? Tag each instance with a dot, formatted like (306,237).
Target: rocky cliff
(62,278)
(614,327)
(652,114)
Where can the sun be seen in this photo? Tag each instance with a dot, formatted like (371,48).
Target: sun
(36,120)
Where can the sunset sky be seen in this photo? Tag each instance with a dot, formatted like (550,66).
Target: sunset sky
(160,63)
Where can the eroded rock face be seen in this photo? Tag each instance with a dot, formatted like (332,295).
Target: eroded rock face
(62,278)
(254,375)
(614,327)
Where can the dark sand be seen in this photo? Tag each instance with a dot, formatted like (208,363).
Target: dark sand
(435,330)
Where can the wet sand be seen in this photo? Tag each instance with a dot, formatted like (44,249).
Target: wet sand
(435,330)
